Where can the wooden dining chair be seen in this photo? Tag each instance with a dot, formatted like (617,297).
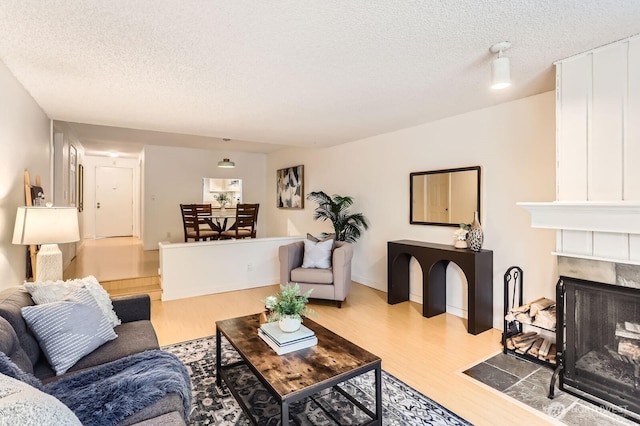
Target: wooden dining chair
(195,227)
(246,222)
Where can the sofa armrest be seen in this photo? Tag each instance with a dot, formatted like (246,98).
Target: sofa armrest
(342,255)
(290,256)
(132,308)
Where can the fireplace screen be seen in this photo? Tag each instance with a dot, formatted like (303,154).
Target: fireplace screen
(601,344)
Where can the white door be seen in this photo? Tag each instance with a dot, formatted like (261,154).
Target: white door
(114,202)
(438,197)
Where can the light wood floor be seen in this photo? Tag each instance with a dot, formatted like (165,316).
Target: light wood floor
(429,354)
(110,259)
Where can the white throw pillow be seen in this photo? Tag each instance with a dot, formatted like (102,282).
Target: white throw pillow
(55,291)
(317,254)
(22,404)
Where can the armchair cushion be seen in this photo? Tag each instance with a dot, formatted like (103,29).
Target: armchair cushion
(312,275)
(317,254)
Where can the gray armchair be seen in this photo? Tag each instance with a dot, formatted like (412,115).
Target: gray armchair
(330,284)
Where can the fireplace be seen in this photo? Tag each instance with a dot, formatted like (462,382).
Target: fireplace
(599,346)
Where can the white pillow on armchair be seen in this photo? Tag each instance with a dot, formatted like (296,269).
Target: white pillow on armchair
(317,254)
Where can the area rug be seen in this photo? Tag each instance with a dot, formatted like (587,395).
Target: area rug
(213,405)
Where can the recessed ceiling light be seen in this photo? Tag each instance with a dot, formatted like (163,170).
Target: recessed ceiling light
(114,155)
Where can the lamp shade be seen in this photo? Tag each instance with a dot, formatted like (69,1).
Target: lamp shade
(226,164)
(500,73)
(46,225)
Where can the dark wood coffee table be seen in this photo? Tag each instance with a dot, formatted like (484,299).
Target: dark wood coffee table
(298,374)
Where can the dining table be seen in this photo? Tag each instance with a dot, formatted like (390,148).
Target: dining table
(218,219)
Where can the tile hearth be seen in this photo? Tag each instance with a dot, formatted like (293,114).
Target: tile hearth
(528,383)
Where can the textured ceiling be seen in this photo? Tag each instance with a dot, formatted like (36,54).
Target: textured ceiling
(293,72)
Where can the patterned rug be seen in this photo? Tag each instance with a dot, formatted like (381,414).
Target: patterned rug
(213,405)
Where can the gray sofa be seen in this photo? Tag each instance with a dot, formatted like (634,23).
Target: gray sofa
(135,335)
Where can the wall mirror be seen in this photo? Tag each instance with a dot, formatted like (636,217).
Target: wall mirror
(211,187)
(445,197)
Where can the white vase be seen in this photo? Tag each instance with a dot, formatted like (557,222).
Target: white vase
(460,244)
(223,208)
(289,324)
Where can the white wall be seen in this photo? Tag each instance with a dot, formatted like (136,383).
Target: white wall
(24,144)
(514,143)
(173,176)
(63,139)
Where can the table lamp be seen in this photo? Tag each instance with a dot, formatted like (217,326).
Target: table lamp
(47,226)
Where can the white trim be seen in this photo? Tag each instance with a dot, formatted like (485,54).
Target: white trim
(617,217)
(603,259)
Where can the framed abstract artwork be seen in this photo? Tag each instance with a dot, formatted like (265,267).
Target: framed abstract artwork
(290,188)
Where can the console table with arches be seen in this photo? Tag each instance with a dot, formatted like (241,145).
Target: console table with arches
(433,259)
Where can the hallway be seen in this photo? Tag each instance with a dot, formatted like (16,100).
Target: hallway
(120,264)
(111,259)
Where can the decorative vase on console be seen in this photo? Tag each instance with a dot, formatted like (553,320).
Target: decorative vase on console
(461,235)
(476,236)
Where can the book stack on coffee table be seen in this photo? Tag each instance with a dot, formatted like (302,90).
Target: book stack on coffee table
(283,343)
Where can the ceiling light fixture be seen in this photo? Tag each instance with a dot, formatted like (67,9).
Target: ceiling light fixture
(500,70)
(226,164)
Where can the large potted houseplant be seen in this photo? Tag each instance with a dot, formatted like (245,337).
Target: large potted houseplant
(346,225)
(288,307)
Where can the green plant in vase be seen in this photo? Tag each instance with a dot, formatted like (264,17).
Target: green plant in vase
(460,235)
(288,307)
(223,198)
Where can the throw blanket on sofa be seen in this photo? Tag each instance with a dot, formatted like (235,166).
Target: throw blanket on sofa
(106,394)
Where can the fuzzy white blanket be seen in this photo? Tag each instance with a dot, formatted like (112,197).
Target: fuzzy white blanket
(21,404)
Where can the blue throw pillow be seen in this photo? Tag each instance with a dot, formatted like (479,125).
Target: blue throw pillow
(68,330)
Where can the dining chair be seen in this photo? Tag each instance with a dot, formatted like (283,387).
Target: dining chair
(195,227)
(246,222)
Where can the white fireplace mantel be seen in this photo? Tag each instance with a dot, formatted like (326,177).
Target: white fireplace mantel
(616,217)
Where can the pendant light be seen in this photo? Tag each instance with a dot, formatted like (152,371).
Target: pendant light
(500,68)
(226,164)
